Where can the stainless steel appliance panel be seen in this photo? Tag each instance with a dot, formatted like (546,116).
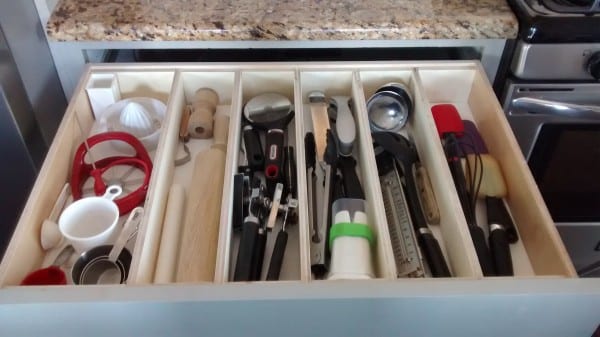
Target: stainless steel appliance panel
(557,126)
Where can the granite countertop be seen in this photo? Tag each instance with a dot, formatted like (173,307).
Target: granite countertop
(235,20)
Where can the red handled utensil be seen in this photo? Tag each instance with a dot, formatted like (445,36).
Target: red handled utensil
(450,127)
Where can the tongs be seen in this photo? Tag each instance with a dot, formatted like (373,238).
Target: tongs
(319,247)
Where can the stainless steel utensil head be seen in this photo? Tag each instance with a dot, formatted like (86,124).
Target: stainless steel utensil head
(317,97)
(387,112)
(269,110)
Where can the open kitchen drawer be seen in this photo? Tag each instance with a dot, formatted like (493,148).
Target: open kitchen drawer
(539,251)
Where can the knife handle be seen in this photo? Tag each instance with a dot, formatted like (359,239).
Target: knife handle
(277,256)
(499,214)
(433,254)
(483,253)
(243,266)
(259,254)
(500,250)
(499,238)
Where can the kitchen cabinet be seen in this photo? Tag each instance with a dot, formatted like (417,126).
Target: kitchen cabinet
(545,297)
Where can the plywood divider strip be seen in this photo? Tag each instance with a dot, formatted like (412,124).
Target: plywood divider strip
(302,182)
(147,243)
(457,240)
(535,225)
(231,163)
(384,257)
(152,84)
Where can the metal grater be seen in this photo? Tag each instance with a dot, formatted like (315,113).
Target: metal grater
(404,244)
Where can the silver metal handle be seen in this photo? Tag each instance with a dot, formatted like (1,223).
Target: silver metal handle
(525,105)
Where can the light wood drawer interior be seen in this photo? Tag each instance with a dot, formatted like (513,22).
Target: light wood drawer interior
(25,253)
(251,84)
(452,236)
(345,82)
(185,85)
(539,251)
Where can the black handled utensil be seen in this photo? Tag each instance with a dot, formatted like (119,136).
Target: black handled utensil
(289,172)
(277,256)
(498,239)
(245,267)
(253,148)
(271,112)
(244,270)
(258,255)
(493,189)
(352,187)
(450,127)
(309,148)
(406,156)
(278,251)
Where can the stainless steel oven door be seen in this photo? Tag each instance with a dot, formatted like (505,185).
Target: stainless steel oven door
(558,129)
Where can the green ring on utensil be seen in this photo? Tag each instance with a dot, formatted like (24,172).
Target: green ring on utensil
(358,230)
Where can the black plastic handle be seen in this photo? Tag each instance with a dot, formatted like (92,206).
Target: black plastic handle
(433,254)
(237,220)
(289,171)
(277,256)
(259,254)
(248,241)
(497,213)
(454,163)
(428,243)
(352,186)
(500,250)
(274,159)
(483,253)
(499,238)
(254,149)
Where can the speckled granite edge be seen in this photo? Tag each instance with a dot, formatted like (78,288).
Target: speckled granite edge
(490,29)
(269,20)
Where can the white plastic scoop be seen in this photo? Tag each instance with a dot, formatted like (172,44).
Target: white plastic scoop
(50,235)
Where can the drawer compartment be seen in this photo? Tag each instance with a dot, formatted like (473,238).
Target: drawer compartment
(189,252)
(25,253)
(538,250)
(265,126)
(451,235)
(342,87)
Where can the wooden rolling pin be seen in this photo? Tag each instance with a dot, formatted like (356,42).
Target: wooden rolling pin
(199,236)
(169,241)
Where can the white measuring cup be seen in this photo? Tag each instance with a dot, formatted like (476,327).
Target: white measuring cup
(91,221)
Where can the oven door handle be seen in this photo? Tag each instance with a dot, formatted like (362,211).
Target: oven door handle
(529,105)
